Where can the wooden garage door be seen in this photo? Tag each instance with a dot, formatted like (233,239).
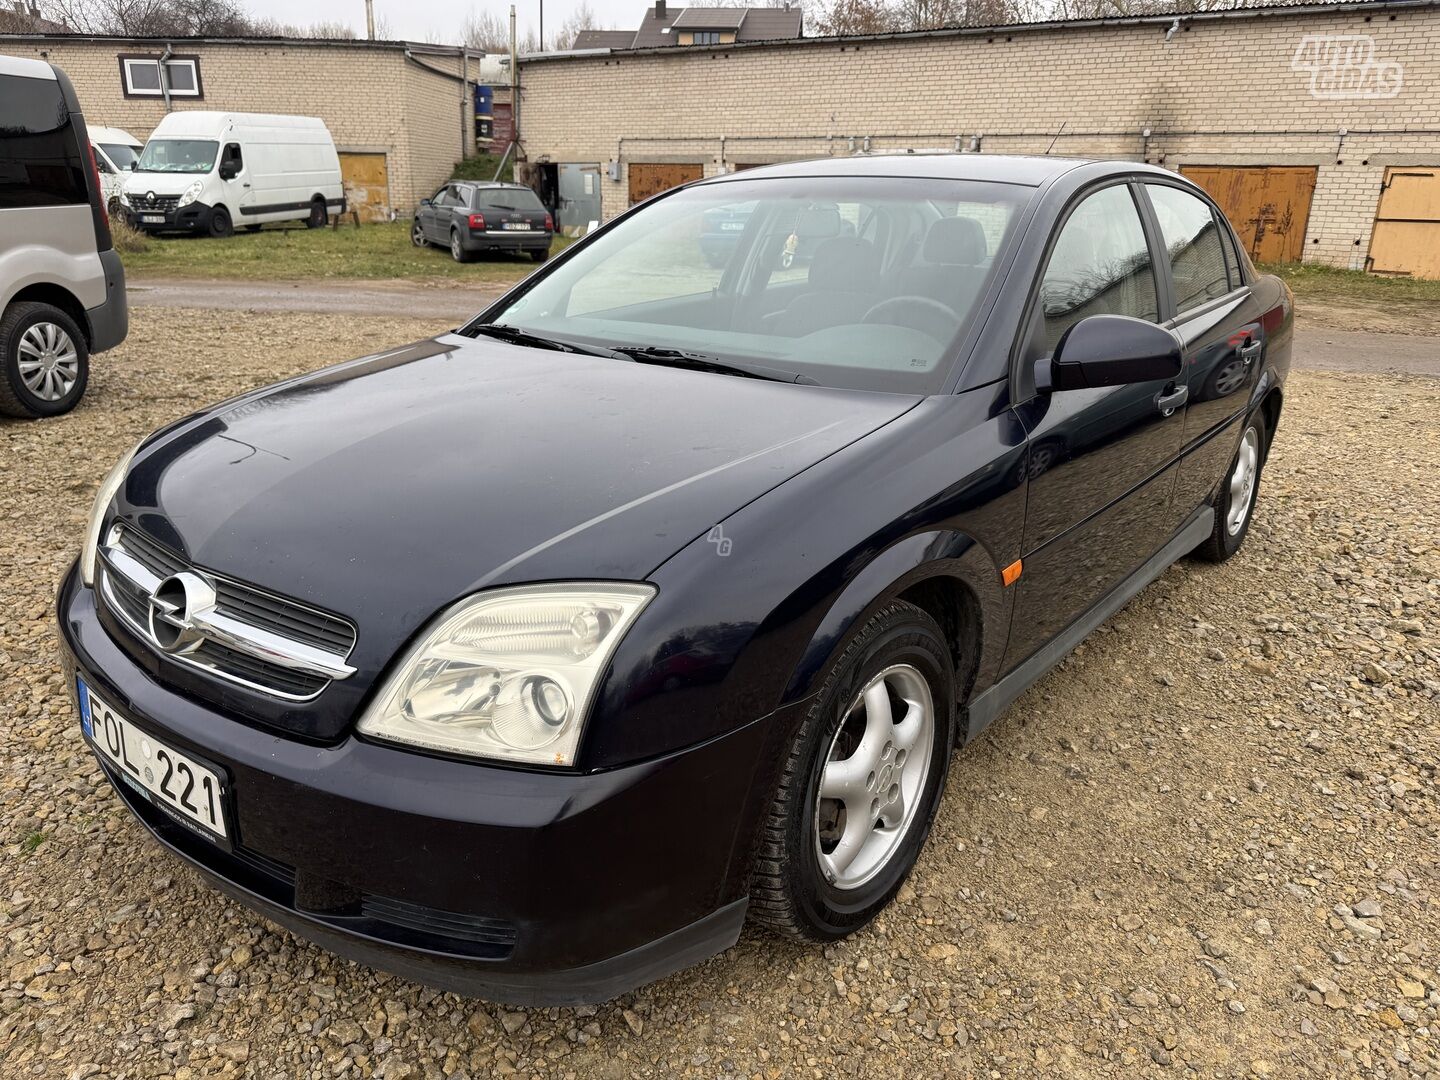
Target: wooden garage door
(1268,205)
(367,185)
(650,178)
(1406,239)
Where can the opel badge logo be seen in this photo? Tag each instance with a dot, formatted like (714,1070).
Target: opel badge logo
(173,607)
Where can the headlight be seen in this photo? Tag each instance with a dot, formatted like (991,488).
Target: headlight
(103,498)
(508,673)
(191,193)
(124,197)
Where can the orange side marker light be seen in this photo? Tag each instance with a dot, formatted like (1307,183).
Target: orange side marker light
(1011,573)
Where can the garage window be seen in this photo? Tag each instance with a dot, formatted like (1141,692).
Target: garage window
(140,76)
(1192,238)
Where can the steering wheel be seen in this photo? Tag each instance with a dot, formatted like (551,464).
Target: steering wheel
(917,312)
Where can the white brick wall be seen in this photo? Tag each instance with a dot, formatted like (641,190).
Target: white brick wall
(1217,92)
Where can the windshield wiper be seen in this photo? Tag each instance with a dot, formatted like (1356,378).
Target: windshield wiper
(516,336)
(681,358)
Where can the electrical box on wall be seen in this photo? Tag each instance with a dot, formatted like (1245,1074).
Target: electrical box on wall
(612,170)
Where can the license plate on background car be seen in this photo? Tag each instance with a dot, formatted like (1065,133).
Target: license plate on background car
(170,779)
(731,226)
(516,225)
(152,219)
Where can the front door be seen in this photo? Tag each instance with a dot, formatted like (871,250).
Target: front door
(1101,462)
(579,191)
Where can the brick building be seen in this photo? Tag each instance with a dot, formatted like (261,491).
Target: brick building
(1296,117)
(401,113)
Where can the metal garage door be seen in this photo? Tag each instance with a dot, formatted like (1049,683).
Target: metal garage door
(650,178)
(367,185)
(1406,239)
(1268,205)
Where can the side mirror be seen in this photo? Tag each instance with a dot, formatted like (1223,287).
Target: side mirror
(228,170)
(1110,350)
(134,164)
(425,202)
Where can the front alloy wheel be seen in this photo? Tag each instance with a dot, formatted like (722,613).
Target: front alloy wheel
(862,781)
(417,235)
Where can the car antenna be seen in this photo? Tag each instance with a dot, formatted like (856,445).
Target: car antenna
(1057,136)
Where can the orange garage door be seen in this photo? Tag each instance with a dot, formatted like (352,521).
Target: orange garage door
(367,185)
(1269,205)
(651,178)
(1407,227)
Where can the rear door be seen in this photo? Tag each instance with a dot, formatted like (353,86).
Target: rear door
(435,218)
(1219,321)
(1101,462)
(516,209)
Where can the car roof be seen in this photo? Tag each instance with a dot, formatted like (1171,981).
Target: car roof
(1030,171)
(112,135)
(490,184)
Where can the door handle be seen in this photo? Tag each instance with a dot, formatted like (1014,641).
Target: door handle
(1170,399)
(1249,352)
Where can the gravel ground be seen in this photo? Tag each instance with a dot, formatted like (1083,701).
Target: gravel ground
(1208,843)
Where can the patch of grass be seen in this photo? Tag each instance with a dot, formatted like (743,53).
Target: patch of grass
(482,167)
(32,842)
(381,250)
(127,239)
(1332,284)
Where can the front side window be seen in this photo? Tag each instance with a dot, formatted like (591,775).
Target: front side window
(1100,265)
(1192,239)
(233,157)
(40,163)
(121,154)
(857,282)
(179,155)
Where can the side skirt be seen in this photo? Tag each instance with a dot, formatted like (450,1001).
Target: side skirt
(986,707)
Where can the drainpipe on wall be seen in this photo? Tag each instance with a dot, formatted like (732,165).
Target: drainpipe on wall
(165,74)
(514,82)
(464,106)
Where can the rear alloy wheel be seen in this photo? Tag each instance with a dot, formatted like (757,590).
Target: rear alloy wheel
(319,216)
(45,360)
(457,249)
(862,782)
(417,235)
(1235,505)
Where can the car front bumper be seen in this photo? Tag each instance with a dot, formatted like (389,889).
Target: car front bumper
(527,887)
(193,217)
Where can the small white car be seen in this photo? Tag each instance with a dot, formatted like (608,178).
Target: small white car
(206,172)
(115,152)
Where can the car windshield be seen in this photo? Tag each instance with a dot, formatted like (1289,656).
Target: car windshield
(179,155)
(507,199)
(120,153)
(858,282)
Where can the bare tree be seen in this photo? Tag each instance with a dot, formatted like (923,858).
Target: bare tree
(489,32)
(150,18)
(581,17)
(843,17)
(334,31)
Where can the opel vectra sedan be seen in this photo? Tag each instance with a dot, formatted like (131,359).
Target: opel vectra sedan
(531,660)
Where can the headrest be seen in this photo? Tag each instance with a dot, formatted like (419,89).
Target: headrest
(844,264)
(956,241)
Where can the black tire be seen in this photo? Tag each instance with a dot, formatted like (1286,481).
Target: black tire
(1224,539)
(220,224)
(112,207)
(252,228)
(417,235)
(541,255)
(18,399)
(319,216)
(457,247)
(789,892)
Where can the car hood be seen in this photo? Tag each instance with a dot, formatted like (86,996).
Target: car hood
(161,183)
(385,488)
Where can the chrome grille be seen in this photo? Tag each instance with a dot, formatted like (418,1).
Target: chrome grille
(303,647)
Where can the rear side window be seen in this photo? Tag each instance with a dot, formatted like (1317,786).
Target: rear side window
(507,199)
(1192,239)
(40,163)
(1100,265)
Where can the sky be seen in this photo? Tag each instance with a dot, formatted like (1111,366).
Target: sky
(440,20)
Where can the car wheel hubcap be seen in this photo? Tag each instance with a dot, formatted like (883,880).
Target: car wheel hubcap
(49,364)
(1242,481)
(455,246)
(874,776)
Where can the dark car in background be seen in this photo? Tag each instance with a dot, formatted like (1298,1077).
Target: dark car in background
(62,288)
(470,217)
(531,660)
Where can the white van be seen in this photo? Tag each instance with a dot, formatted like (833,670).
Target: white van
(208,171)
(114,152)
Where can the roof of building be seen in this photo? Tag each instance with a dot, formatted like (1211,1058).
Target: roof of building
(656,28)
(756,30)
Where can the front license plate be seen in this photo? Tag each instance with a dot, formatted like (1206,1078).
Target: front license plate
(170,779)
(153,219)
